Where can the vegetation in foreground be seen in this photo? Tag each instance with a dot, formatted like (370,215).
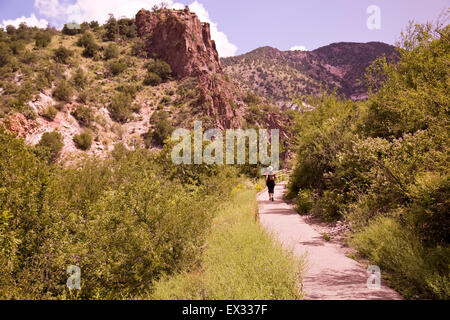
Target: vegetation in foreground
(128,221)
(240,260)
(383,165)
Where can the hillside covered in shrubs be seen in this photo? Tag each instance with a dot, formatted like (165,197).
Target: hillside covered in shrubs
(95,85)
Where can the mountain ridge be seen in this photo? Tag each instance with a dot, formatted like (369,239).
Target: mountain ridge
(283,75)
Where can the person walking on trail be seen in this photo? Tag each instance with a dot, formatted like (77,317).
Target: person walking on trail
(270,182)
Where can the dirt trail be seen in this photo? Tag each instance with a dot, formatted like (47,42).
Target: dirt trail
(330,274)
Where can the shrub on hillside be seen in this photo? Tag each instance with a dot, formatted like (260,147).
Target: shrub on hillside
(43,39)
(17,46)
(120,107)
(62,55)
(111,51)
(94,25)
(63,91)
(79,78)
(152,79)
(84,115)
(49,113)
(5,54)
(138,48)
(161,68)
(162,129)
(91,47)
(128,89)
(83,141)
(116,67)
(53,143)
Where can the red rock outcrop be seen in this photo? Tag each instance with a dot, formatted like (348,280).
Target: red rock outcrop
(18,124)
(179,38)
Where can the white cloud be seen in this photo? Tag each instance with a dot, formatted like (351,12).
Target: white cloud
(88,10)
(31,21)
(298,48)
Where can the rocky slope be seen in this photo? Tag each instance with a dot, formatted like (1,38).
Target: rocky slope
(107,85)
(283,75)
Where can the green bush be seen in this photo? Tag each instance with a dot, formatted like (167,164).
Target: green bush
(84,115)
(329,206)
(152,79)
(415,270)
(161,131)
(11,30)
(126,215)
(128,89)
(63,91)
(53,143)
(161,68)
(111,51)
(50,113)
(304,201)
(116,67)
(120,107)
(91,47)
(62,55)
(79,78)
(5,54)
(138,48)
(17,46)
(83,141)
(43,39)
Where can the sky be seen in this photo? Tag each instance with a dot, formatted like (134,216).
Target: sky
(239,26)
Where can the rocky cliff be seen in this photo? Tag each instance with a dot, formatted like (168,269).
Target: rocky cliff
(179,38)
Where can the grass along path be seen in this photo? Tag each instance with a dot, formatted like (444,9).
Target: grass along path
(329,273)
(241,261)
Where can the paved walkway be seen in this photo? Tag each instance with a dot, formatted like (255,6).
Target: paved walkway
(330,274)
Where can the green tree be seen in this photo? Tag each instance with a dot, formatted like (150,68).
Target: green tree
(71,29)
(111,29)
(127,28)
